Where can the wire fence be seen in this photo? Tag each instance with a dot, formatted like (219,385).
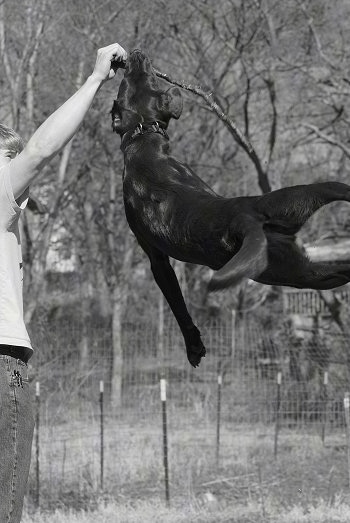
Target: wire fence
(250,381)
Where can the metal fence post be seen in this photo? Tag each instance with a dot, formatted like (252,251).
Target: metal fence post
(324,406)
(278,406)
(101,434)
(347,422)
(37,443)
(165,439)
(218,421)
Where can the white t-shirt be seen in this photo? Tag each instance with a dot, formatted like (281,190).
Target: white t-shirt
(12,327)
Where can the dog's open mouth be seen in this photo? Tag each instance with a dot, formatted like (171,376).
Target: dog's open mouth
(118,64)
(116,123)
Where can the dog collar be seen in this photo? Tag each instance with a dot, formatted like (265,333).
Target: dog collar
(153,127)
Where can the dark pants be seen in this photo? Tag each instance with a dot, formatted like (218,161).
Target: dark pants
(16,434)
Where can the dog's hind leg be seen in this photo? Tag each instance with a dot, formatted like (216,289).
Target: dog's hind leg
(166,280)
(289,266)
(249,262)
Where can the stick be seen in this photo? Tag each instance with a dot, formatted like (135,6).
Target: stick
(239,137)
(207,97)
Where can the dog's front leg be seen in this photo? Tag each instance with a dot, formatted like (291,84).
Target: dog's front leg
(167,282)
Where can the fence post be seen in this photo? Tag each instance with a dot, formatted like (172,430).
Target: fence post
(101,434)
(37,443)
(347,422)
(278,405)
(324,406)
(218,422)
(165,439)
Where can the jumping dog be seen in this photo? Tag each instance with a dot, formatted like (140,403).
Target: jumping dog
(173,212)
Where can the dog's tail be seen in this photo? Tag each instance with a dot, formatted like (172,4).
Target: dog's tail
(250,261)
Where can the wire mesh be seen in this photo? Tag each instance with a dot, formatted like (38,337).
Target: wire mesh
(248,359)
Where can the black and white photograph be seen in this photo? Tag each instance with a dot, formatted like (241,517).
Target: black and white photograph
(175,261)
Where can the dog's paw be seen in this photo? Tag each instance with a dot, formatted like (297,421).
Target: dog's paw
(194,346)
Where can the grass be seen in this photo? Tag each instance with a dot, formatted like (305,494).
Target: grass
(154,511)
(307,483)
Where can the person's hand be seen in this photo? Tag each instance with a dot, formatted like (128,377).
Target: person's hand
(103,70)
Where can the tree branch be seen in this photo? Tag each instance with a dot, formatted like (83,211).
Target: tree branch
(328,139)
(310,23)
(273,131)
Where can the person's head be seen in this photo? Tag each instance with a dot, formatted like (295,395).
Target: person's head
(11,143)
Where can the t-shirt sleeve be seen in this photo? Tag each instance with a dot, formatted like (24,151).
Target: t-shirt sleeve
(8,206)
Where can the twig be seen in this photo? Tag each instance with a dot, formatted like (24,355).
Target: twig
(311,25)
(239,137)
(328,139)
(224,480)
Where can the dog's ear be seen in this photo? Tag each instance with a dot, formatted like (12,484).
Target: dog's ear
(174,102)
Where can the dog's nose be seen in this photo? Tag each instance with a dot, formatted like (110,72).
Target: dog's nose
(138,60)
(137,53)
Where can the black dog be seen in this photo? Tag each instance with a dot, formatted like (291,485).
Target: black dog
(172,212)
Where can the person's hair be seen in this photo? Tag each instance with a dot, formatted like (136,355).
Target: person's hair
(10,140)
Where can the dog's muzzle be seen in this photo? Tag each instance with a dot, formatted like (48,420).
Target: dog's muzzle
(138,61)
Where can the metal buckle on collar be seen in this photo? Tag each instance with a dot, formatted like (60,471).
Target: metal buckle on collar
(138,130)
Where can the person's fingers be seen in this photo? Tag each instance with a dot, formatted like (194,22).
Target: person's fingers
(106,56)
(114,50)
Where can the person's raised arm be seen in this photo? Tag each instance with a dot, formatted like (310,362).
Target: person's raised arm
(61,126)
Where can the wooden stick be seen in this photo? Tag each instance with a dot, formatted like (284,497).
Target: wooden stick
(240,138)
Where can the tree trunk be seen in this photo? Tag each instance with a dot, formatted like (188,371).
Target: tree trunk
(37,281)
(84,340)
(117,362)
(119,301)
